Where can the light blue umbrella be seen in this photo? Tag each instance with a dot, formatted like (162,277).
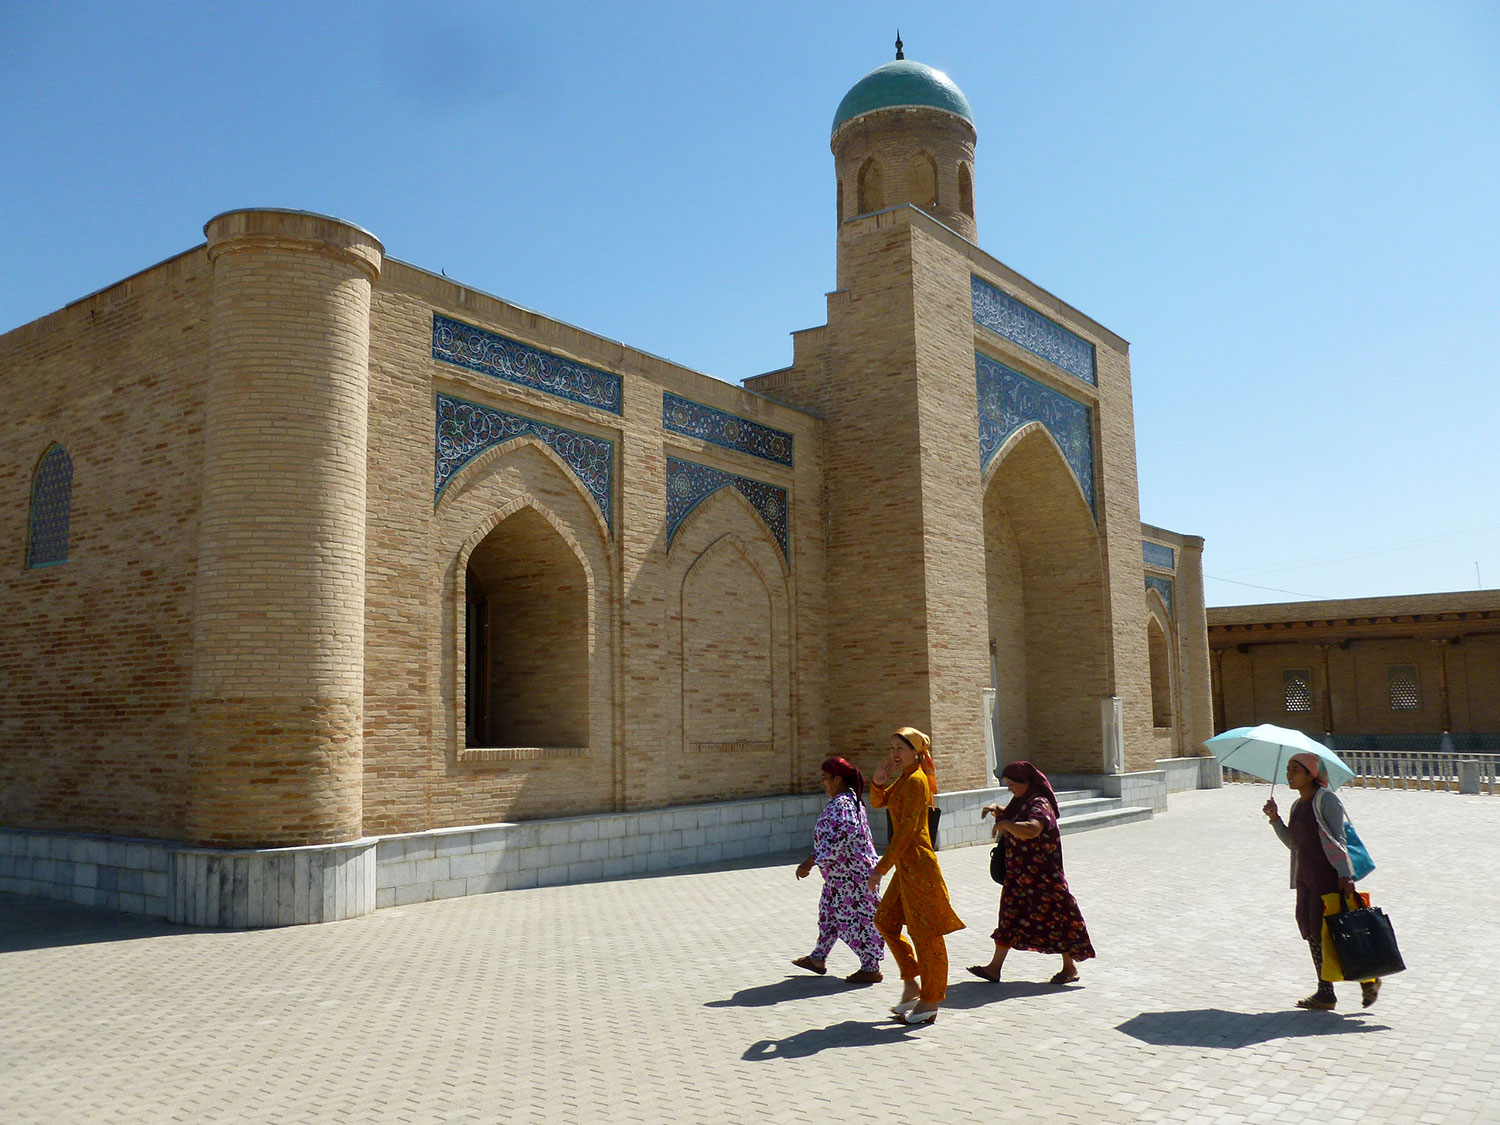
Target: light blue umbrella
(1264,751)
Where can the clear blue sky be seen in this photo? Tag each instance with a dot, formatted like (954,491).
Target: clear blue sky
(1291,210)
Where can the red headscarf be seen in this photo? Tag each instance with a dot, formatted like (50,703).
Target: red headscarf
(1025,771)
(853,779)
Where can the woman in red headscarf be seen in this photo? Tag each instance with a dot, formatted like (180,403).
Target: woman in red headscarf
(917,898)
(1037,911)
(1320,863)
(845,855)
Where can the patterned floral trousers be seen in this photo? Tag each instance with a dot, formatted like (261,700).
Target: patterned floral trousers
(846,913)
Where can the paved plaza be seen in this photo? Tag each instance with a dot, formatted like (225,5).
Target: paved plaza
(671,999)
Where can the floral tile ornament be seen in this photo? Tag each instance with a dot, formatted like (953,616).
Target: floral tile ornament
(467,429)
(689,484)
(1008,400)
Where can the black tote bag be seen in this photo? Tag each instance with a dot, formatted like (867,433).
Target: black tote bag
(1365,942)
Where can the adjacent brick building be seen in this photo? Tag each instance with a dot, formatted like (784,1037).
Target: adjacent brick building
(311,546)
(1409,673)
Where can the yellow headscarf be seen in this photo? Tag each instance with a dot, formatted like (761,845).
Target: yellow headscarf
(923,746)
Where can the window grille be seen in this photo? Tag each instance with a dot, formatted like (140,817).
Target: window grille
(1402,679)
(51,499)
(1296,687)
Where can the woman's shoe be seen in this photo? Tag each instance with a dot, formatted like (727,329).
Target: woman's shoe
(810,965)
(1065,977)
(905,1006)
(983,973)
(1369,991)
(865,976)
(915,1017)
(1318,1002)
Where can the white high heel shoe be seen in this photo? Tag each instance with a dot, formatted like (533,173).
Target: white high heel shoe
(900,1010)
(921,1017)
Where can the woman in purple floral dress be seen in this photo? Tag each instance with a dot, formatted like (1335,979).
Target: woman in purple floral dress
(1037,911)
(845,854)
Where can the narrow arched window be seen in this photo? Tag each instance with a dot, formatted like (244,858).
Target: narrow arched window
(841,201)
(924,190)
(966,190)
(871,188)
(51,499)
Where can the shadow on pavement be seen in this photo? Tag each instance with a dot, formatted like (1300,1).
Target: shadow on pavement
(850,1033)
(790,988)
(41,923)
(977,993)
(1214,1027)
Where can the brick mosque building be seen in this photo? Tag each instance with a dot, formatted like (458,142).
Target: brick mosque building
(331,576)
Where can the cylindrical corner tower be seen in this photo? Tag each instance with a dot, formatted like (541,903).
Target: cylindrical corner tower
(278,630)
(904,133)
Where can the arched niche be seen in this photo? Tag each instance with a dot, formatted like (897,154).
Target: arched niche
(1162,666)
(1046,599)
(924,180)
(728,691)
(526,555)
(871,187)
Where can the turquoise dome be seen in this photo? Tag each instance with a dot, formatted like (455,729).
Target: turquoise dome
(903,83)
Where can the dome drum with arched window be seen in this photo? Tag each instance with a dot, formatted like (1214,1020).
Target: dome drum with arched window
(904,134)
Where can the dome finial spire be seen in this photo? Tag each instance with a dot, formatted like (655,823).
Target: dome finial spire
(899,55)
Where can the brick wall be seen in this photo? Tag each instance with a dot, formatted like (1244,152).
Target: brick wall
(95,654)
(738,636)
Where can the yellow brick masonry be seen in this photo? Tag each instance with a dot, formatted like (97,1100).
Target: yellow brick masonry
(278,634)
(275,612)
(644,609)
(96,654)
(893,373)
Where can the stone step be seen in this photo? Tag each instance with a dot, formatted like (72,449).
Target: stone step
(1066,795)
(1066,810)
(1085,822)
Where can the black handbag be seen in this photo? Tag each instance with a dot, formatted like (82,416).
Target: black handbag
(1365,943)
(997,861)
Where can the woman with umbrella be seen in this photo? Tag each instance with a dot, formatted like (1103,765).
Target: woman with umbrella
(1314,832)
(1037,911)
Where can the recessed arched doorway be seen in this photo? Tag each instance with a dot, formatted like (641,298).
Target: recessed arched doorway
(1049,630)
(526,660)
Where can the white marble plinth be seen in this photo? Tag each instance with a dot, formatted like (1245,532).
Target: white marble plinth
(254,888)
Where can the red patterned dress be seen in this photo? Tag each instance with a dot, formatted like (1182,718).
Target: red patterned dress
(1037,911)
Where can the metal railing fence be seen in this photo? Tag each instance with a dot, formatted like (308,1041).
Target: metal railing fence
(1456,772)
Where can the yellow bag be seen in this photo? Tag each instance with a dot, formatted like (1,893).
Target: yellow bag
(1332,904)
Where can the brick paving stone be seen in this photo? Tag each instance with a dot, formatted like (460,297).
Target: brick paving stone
(671,998)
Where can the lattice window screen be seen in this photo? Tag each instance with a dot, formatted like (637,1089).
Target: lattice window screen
(1405,696)
(1296,687)
(51,499)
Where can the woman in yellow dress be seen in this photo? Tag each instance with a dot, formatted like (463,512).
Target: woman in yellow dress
(917,897)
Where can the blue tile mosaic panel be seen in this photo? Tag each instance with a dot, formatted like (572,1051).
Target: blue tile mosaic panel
(1162,586)
(1157,555)
(51,503)
(466,429)
(491,354)
(689,484)
(1008,400)
(1005,316)
(684,416)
